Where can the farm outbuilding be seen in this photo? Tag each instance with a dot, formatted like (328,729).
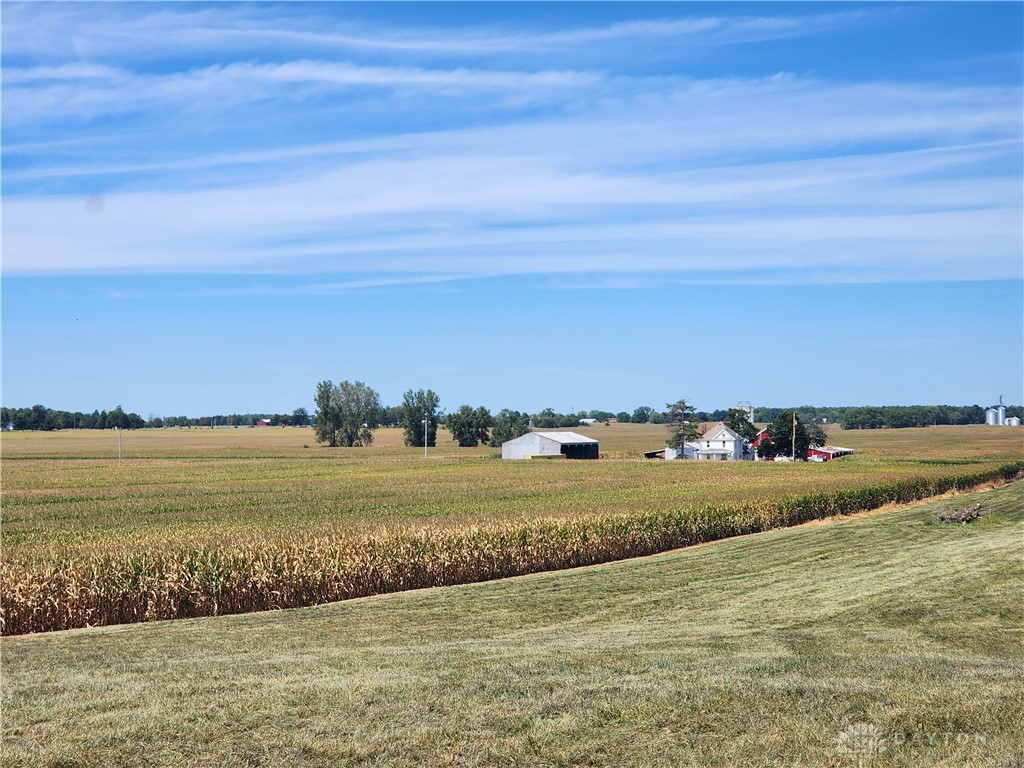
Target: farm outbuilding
(549,444)
(828,452)
(689,451)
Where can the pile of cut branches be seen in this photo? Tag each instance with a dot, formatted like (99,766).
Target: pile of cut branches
(964,516)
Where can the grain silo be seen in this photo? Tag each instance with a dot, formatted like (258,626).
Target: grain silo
(747,408)
(995,416)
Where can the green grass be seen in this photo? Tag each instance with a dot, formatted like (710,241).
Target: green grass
(755,651)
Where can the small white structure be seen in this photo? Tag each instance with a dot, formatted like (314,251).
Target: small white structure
(719,443)
(689,452)
(1013,421)
(549,444)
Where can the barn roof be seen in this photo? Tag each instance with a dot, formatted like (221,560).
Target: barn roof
(566,437)
(833,449)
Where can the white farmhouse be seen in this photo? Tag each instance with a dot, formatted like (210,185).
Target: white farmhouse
(719,443)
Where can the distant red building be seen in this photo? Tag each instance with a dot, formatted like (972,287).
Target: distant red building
(760,436)
(827,453)
(822,453)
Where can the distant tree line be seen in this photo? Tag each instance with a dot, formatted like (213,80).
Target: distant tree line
(887,416)
(874,417)
(41,418)
(469,423)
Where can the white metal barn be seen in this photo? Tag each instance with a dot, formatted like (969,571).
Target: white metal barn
(568,444)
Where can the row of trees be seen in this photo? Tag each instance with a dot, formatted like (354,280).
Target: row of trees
(39,417)
(424,403)
(644,414)
(297,418)
(896,416)
(887,416)
(348,412)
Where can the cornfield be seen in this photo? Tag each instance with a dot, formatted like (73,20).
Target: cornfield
(79,589)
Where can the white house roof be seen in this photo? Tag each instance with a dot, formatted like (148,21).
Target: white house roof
(566,437)
(715,432)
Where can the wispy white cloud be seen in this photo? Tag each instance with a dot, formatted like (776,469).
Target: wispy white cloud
(669,121)
(90,30)
(84,91)
(443,171)
(489,215)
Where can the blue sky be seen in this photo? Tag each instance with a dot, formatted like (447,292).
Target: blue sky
(211,207)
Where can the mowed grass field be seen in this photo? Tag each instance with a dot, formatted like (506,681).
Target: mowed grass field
(65,493)
(882,640)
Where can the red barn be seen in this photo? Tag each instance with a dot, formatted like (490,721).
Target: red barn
(827,453)
(757,439)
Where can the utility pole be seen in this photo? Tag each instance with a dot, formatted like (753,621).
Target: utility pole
(793,444)
(424,437)
(118,443)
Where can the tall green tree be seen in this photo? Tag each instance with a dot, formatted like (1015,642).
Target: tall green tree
(737,420)
(683,425)
(417,407)
(641,415)
(816,436)
(346,414)
(780,438)
(508,425)
(327,422)
(470,426)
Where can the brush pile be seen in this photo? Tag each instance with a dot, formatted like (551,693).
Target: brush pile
(963,516)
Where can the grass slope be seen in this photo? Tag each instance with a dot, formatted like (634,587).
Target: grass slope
(759,651)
